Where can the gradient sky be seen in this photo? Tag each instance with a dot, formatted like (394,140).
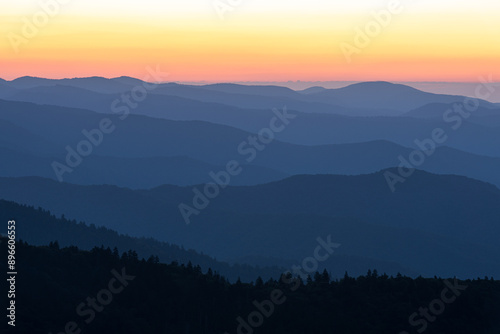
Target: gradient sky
(259,40)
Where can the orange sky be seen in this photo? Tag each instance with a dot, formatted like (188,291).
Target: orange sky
(255,41)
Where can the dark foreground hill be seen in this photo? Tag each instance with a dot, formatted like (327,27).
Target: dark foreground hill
(39,227)
(102,292)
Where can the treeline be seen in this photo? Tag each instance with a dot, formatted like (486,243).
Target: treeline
(39,227)
(103,291)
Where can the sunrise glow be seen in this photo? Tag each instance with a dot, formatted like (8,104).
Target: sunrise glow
(251,41)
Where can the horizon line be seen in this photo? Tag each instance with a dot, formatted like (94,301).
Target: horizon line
(239,81)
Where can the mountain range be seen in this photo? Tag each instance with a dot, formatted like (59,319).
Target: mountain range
(145,152)
(321,174)
(437,223)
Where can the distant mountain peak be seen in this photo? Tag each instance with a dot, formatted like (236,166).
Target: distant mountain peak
(380,85)
(27,77)
(127,80)
(312,90)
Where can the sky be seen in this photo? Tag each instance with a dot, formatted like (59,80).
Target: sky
(252,40)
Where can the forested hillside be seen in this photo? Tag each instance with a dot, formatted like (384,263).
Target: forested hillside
(101,291)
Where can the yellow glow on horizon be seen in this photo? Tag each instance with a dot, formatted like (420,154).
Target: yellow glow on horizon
(257,41)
